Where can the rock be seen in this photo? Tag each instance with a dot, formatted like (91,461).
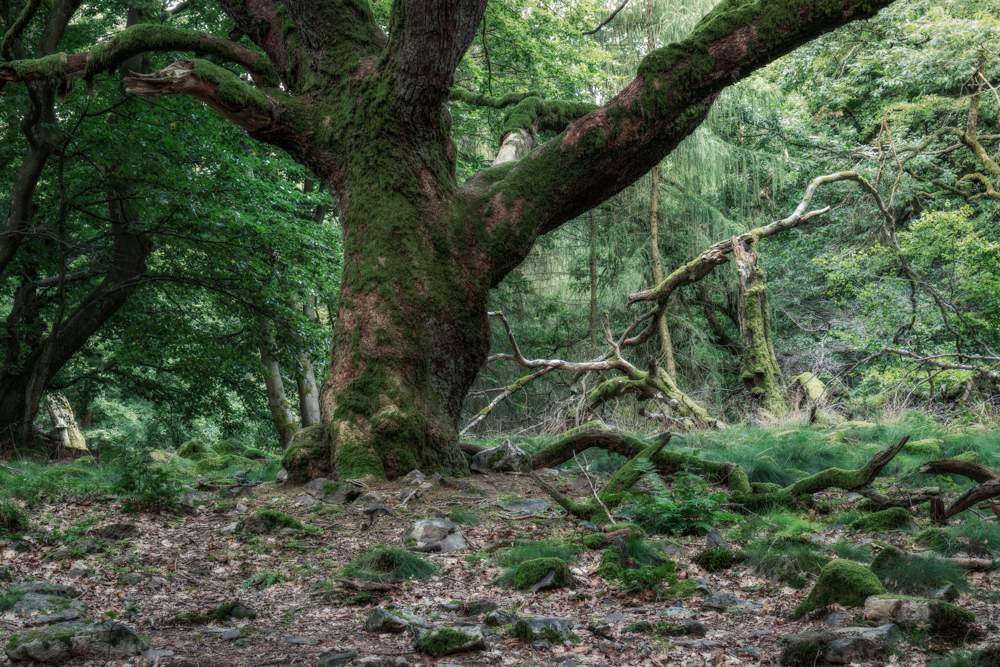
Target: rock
(524,506)
(296,640)
(938,617)
(413,478)
(948,593)
(131,578)
(61,590)
(393,621)
(894,518)
(435,536)
(470,607)
(281,477)
(715,540)
(723,600)
(408,493)
(836,618)
(78,548)
(698,644)
(336,657)
(544,628)
(839,647)
(381,661)
(154,654)
(447,640)
(845,582)
(340,492)
(58,643)
(45,609)
(230,528)
(505,457)
(499,617)
(116,531)
(675,612)
(6,574)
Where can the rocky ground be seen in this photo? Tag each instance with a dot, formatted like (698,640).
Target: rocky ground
(148,589)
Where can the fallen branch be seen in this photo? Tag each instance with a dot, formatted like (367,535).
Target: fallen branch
(987,487)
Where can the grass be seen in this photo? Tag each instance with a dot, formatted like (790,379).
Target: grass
(264,580)
(791,561)
(637,565)
(388,564)
(914,574)
(520,553)
(266,520)
(973,536)
(219,613)
(464,517)
(13,519)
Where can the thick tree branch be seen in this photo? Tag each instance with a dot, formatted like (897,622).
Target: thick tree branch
(131,42)
(17,27)
(605,151)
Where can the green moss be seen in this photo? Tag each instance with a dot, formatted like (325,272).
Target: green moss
(894,518)
(447,641)
(528,573)
(660,629)
(944,619)
(927,447)
(265,520)
(717,559)
(637,565)
(230,88)
(387,564)
(464,517)
(525,551)
(218,614)
(13,519)
(594,541)
(10,598)
(309,456)
(192,449)
(843,582)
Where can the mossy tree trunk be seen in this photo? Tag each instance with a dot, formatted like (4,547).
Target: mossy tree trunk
(367,112)
(759,369)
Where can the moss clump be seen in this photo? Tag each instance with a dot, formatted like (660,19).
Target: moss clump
(309,455)
(13,519)
(525,551)
(894,518)
(717,559)
(529,573)
(10,598)
(192,449)
(268,520)
(594,541)
(928,447)
(665,629)
(944,619)
(843,582)
(916,574)
(446,641)
(789,560)
(387,564)
(464,517)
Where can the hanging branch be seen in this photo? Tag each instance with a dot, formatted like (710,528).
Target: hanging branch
(609,19)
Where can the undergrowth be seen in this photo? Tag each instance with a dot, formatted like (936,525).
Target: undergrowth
(388,564)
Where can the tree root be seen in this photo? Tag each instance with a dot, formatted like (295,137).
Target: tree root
(987,487)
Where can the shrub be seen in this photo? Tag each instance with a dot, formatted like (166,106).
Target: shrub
(388,564)
(637,566)
(688,508)
(916,574)
(142,484)
(13,519)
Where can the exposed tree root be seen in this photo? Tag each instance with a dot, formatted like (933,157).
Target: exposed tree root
(987,487)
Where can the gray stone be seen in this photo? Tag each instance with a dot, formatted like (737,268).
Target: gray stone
(499,617)
(341,492)
(381,661)
(470,607)
(938,616)
(725,601)
(296,640)
(58,643)
(435,536)
(42,609)
(45,587)
(525,506)
(450,639)
(548,628)
(154,654)
(505,457)
(413,478)
(336,657)
(839,647)
(715,540)
(393,621)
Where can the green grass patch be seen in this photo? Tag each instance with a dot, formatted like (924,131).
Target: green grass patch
(638,565)
(464,517)
(388,564)
(894,518)
(914,574)
(524,551)
(13,518)
(264,580)
(790,561)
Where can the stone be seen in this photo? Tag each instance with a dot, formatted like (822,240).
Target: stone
(499,617)
(724,600)
(281,477)
(845,582)
(45,609)
(336,657)
(842,646)
(296,640)
(525,506)
(505,457)
(450,639)
(45,587)
(116,531)
(544,628)
(154,654)
(470,607)
(341,492)
(435,536)
(938,617)
(393,621)
(413,478)
(58,643)
(715,540)
(381,661)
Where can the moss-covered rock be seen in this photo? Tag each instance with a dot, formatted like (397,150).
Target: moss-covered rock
(442,641)
(309,456)
(531,573)
(717,559)
(543,628)
(938,617)
(894,518)
(192,449)
(843,582)
(929,447)
(59,643)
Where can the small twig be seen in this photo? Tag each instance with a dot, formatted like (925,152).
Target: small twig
(593,488)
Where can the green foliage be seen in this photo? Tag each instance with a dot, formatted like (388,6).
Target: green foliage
(532,550)
(974,536)
(220,613)
(861,553)
(984,657)
(264,580)
(916,574)
(388,564)
(637,565)
(717,559)
(142,484)
(689,508)
(843,582)
(13,519)
(791,561)
(266,520)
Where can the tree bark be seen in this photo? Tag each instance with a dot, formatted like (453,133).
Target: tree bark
(305,379)
(759,371)
(281,413)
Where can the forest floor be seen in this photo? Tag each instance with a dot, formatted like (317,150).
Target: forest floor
(148,570)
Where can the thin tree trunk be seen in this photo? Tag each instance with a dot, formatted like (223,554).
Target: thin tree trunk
(662,324)
(308,388)
(593,280)
(281,414)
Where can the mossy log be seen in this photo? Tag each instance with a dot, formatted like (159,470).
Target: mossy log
(666,462)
